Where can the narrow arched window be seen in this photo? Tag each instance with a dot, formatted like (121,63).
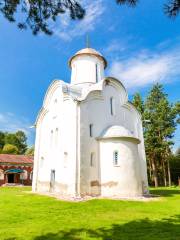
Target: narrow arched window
(51,139)
(92,159)
(115,158)
(56,137)
(42,162)
(96,72)
(112,106)
(65,159)
(90,130)
(55,108)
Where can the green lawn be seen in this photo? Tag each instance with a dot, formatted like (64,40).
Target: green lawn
(27,216)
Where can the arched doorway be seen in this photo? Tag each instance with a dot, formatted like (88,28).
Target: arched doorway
(13,175)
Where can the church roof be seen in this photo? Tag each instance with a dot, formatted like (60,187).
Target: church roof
(20,159)
(118,132)
(91,52)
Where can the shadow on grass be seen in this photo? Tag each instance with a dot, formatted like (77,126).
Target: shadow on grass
(144,229)
(165,192)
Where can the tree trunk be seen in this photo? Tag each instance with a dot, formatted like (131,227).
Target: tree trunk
(154,173)
(150,172)
(164,173)
(169,173)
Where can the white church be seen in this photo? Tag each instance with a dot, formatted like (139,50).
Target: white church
(89,137)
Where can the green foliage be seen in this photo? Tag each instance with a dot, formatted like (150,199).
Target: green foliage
(162,117)
(2,139)
(171,9)
(21,137)
(17,139)
(175,166)
(26,216)
(160,120)
(128,2)
(138,103)
(10,149)
(38,14)
(30,151)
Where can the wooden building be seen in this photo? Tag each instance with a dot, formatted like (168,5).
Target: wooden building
(16,169)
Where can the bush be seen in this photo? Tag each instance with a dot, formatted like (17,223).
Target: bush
(10,149)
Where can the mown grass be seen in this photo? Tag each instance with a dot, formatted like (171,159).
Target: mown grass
(27,216)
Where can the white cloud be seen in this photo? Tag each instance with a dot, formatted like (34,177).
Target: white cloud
(66,29)
(115,46)
(146,68)
(11,123)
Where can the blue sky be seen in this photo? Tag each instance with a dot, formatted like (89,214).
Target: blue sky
(141,45)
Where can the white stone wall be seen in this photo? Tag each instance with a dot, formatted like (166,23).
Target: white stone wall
(96,110)
(125,178)
(56,144)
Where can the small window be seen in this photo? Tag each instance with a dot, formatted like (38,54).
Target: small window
(91,130)
(116,158)
(92,160)
(51,138)
(56,137)
(112,106)
(55,108)
(65,159)
(96,73)
(42,162)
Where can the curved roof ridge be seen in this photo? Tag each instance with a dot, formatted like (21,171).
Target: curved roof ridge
(99,86)
(88,51)
(118,131)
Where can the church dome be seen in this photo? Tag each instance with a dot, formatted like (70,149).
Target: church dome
(90,52)
(118,132)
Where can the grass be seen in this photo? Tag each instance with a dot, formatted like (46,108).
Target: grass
(27,216)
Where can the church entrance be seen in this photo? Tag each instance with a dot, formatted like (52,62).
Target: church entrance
(13,175)
(10,178)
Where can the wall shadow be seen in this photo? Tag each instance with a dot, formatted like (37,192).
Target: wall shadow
(144,229)
(165,192)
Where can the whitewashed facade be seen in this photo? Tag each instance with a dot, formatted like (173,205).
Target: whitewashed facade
(89,138)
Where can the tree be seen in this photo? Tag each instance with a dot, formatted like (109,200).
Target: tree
(138,103)
(10,149)
(17,139)
(10,138)
(39,13)
(159,132)
(174,160)
(171,8)
(30,151)
(22,145)
(2,139)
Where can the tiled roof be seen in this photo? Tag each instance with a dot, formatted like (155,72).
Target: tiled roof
(10,158)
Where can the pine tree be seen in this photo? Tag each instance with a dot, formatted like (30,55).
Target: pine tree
(37,15)
(159,132)
(138,103)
